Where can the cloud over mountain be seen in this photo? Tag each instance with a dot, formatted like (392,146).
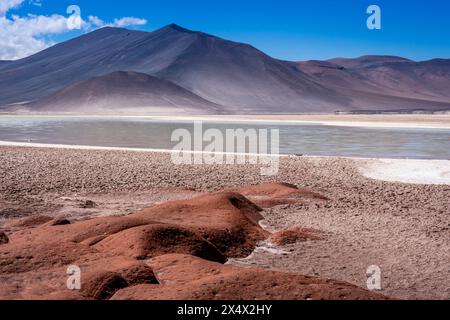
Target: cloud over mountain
(28,34)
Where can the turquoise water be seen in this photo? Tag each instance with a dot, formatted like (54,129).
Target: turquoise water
(305,139)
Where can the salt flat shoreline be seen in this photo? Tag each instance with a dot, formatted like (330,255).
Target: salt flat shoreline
(401,227)
(425,121)
(363,121)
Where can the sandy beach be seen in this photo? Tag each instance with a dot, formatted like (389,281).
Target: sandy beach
(401,227)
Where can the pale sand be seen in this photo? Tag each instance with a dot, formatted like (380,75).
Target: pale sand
(403,228)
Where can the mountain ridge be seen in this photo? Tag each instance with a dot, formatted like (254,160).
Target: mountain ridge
(236,76)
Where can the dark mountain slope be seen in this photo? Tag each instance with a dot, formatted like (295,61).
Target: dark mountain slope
(221,71)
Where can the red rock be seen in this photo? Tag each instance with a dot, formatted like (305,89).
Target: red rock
(103,286)
(158,239)
(139,274)
(29,222)
(294,235)
(227,220)
(109,252)
(274,194)
(185,277)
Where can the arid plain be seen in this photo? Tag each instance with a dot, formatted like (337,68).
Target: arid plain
(112,211)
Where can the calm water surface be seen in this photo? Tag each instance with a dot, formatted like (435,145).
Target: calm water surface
(307,139)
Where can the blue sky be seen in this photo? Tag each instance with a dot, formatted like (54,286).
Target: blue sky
(292,30)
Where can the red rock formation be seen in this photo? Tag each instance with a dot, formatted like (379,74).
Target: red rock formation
(185,277)
(185,241)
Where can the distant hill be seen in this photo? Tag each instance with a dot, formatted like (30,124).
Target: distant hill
(367,61)
(235,76)
(428,80)
(121,91)
(386,83)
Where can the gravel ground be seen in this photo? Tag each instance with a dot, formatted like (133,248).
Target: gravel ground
(402,228)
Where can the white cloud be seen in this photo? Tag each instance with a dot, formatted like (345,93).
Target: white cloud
(25,35)
(37,3)
(129,21)
(96,21)
(6,5)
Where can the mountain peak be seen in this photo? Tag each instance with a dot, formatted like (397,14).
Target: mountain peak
(176,27)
